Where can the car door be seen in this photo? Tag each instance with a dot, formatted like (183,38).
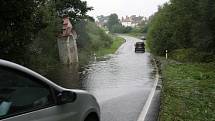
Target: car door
(25,98)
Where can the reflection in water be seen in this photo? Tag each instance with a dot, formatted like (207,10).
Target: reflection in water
(66,76)
(121,82)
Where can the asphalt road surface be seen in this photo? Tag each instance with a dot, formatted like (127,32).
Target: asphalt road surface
(121,82)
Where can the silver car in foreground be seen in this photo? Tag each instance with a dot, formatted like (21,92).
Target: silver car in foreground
(28,96)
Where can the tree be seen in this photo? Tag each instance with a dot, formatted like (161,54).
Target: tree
(184,24)
(43,50)
(115,26)
(19,21)
(160,31)
(113,20)
(101,18)
(75,9)
(203,28)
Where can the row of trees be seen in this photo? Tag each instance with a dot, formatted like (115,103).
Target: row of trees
(114,25)
(184,24)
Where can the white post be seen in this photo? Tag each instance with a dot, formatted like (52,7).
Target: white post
(166,54)
(94,56)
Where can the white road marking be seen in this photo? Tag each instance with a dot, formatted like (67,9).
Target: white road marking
(145,109)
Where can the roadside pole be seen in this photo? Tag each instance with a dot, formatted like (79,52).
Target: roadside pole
(94,55)
(166,54)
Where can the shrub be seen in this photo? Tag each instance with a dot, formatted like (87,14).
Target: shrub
(191,55)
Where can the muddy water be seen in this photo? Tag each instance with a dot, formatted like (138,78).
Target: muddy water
(121,82)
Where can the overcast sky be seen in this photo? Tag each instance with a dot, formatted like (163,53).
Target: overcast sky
(124,7)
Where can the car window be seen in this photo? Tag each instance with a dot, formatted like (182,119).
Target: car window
(139,44)
(21,93)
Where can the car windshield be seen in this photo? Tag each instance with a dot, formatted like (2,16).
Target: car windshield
(140,59)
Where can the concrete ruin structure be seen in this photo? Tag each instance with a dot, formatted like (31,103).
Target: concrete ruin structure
(67,46)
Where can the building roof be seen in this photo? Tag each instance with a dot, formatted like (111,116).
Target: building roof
(133,19)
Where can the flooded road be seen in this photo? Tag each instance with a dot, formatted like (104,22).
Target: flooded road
(121,83)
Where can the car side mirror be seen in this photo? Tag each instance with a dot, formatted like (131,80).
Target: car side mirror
(66,97)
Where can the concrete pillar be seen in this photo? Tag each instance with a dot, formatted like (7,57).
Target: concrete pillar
(68,52)
(67,43)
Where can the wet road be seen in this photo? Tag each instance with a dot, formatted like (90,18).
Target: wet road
(121,83)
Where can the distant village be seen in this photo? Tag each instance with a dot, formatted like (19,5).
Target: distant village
(132,21)
(127,21)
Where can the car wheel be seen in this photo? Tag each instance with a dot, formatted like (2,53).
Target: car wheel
(92,117)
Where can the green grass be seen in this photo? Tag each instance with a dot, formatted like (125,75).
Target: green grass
(134,34)
(188,92)
(191,55)
(117,42)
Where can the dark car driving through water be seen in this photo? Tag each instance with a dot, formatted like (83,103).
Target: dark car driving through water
(143,38)
(140,47)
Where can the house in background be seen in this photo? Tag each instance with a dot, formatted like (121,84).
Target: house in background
(126,21)
(132,21)
(102,20)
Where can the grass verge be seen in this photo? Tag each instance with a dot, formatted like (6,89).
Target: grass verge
(135,34)
(117,42)
(188,92)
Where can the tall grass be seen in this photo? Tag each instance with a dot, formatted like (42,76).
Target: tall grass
(188,92)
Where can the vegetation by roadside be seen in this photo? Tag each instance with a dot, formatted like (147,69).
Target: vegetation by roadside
(135,34)
(184,24)
(29,32)
(191,55)
(114,25)
(188,91)
(139,31)
(44,54)
(92,39)
(117,42)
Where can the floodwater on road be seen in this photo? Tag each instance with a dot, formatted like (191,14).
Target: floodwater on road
(121,82)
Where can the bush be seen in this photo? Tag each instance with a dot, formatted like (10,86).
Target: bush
(90,40)
(127,29)
(191,55)
(182,55)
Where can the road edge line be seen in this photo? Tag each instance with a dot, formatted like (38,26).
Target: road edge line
(145,109)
